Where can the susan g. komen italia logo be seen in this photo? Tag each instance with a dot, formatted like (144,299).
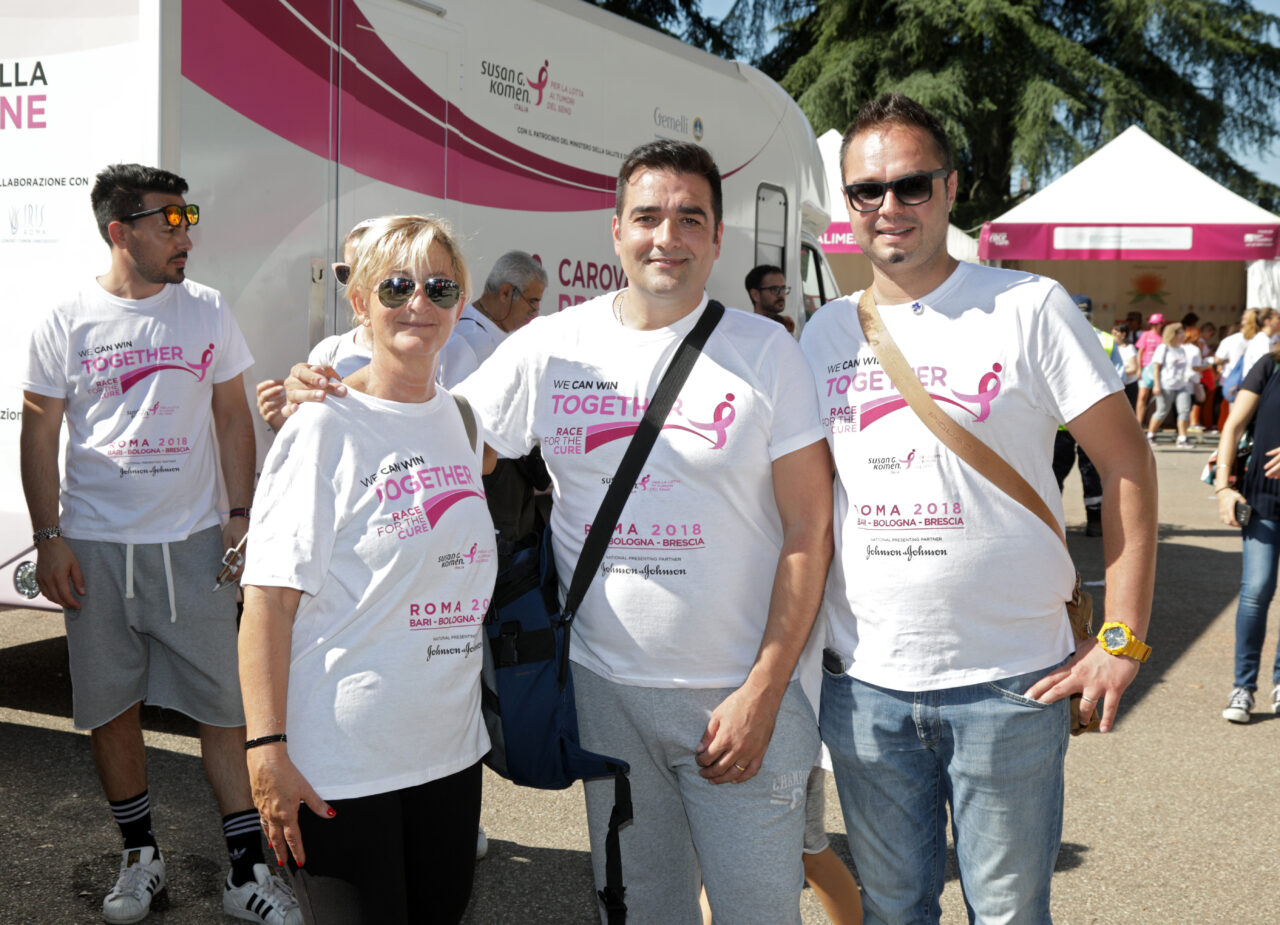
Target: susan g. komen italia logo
(714,431)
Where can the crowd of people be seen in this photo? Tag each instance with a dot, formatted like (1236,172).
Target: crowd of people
(827,571)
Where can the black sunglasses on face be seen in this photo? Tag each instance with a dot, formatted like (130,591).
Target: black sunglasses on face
(912,190)
(173,214)
(776,290)
(398,290)
(342,273)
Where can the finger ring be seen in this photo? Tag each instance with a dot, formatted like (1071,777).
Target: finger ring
(738,766)
(1087,699)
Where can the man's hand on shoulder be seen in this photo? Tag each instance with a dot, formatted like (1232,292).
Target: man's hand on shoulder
(310,383)
(58,573)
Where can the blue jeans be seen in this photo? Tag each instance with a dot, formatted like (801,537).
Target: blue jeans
(987,750)
(1257,587)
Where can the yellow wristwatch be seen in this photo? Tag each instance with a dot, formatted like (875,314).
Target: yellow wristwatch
(1118,639)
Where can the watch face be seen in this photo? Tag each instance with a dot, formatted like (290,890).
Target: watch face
(1114,637)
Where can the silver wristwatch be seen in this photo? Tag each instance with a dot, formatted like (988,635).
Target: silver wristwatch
(47,533)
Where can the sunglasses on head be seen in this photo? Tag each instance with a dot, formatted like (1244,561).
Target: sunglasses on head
(173,214)
(912,190)
(396,291)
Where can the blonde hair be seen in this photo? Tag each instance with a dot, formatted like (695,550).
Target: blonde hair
(1254,319)
(402,242)
(1171,331)
(352,242)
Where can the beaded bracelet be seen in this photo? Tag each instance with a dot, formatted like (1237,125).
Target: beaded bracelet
(265,740)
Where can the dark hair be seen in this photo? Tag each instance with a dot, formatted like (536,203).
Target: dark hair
(675,157)
(896,109)
(117,191)
(757,275)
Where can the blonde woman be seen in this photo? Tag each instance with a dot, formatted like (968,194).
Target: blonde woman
(1169,367)
(367,579)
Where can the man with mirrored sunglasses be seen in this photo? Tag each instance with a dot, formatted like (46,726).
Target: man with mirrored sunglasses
(949,654)
(146,367)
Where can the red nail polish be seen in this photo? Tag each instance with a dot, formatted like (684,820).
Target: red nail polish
(280,862)
(332,812)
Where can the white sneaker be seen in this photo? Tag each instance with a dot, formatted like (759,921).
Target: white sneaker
(1275,699)
(265,898)
(482,840)
(141,878)
(1238,707)
(1183,443)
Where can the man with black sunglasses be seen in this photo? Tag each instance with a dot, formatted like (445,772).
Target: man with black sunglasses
(950,657)
(146,366)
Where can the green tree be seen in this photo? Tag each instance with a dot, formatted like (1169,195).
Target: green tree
(1028,88)
(680,18)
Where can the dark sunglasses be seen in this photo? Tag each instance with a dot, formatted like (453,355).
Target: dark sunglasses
(398,290)
(912,190)
(172,214)
(342,273)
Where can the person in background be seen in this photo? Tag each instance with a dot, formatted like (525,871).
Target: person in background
(1260,336)
(1229,354)
(1147,343)
(767,288)
(1253,505)
(1066,451)
(363,709)
(1129,360)
(512,298)
(1171,370)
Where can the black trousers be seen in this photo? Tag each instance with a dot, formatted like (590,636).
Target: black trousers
(401,858)
(1065,452)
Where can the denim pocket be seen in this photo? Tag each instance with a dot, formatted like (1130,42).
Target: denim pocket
(1014,689)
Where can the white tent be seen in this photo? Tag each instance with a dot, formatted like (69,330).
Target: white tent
(839,238)
(1133,199)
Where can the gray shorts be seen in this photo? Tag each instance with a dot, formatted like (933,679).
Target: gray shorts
(177,652)
(743,841)
(815,811)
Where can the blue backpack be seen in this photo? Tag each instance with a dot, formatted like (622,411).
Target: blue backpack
(526,681)
(1232,381)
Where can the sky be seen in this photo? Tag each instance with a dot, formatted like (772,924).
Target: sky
(1266,165)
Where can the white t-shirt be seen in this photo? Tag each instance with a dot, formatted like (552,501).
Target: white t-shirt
(138,377)
(375,511)
(1195,357)
(1173,367)
(939,578)
(473,341)
(1128,352)
(1256,348)
(682,596)
(346,352)
(1230,350)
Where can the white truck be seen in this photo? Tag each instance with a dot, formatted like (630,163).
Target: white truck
(294,119)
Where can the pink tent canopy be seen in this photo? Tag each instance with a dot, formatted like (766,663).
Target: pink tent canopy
(1133,199)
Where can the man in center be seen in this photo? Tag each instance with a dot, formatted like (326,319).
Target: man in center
(685,648)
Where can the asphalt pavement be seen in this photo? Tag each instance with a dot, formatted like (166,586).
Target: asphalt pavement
(1171,818)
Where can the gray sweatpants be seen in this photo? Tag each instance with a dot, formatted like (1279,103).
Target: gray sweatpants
(744,841)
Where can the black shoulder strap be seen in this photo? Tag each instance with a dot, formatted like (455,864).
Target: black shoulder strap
(634,458)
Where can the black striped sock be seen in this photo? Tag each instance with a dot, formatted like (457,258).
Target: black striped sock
(134,818)
(243,832)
